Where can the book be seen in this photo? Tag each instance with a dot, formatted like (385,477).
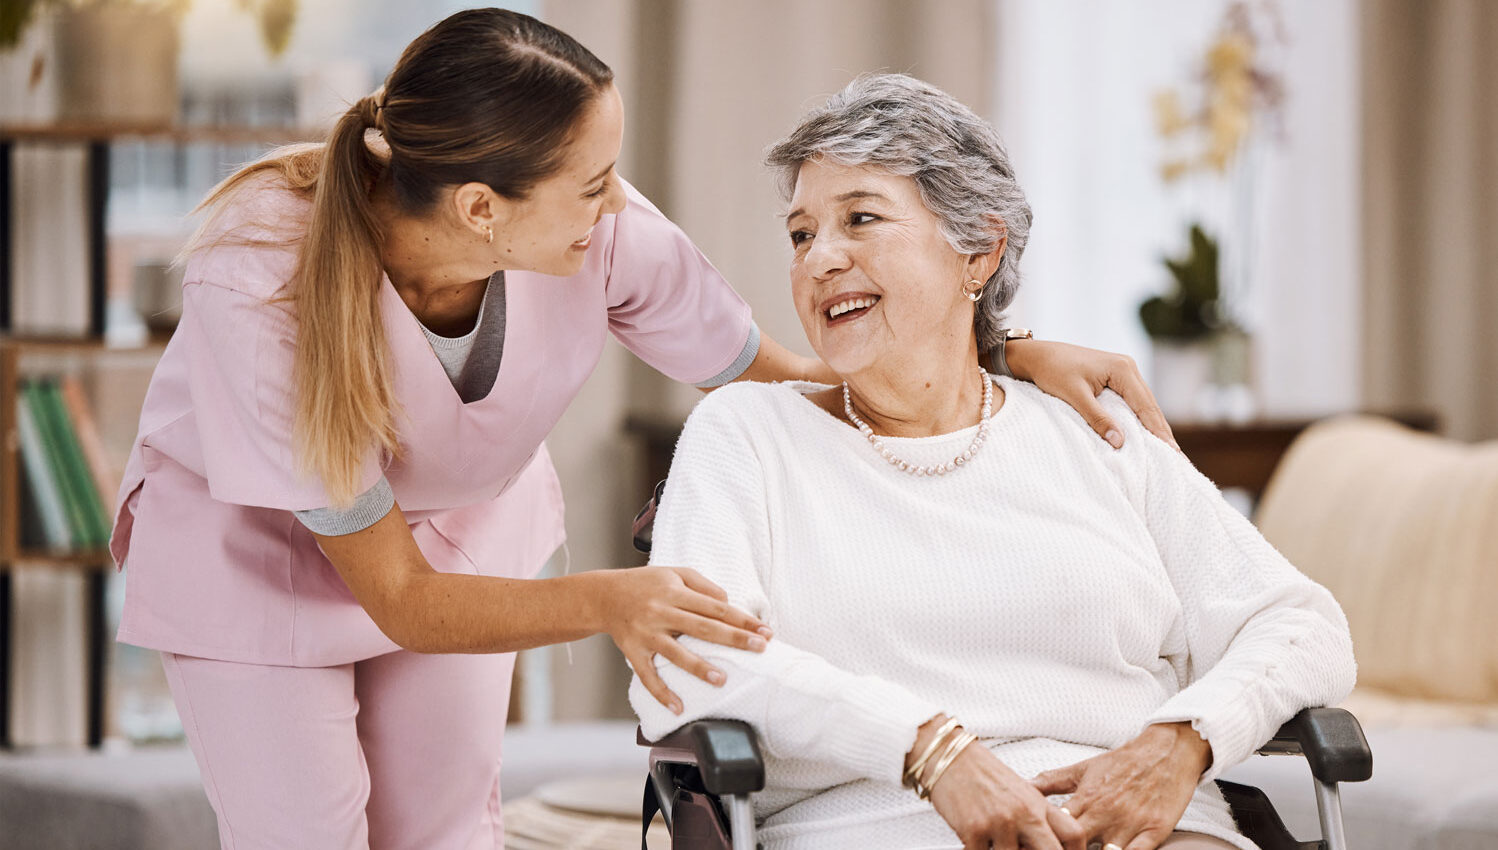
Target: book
(46,494)
(91,526)
(72,505)
(81,412)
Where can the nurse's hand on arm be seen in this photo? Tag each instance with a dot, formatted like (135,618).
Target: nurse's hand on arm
(644,609)
(1071,373)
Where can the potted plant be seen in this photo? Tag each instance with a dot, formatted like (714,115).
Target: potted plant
(1182,325)
(1199,329)
(116,60)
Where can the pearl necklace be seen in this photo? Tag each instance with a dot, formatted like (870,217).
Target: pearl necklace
(913,469)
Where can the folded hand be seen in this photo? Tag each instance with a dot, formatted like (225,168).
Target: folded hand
(1133,796)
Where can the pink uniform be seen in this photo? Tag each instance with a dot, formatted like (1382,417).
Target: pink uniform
(275,668)
(217,565)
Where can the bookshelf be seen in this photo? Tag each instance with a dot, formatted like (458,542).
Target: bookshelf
(24,357)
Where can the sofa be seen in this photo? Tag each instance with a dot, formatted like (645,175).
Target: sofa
(1402,527)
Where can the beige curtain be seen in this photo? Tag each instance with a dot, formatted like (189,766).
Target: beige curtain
(1430,221)
(708,86)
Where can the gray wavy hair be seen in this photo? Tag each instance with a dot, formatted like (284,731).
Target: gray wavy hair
(913,129)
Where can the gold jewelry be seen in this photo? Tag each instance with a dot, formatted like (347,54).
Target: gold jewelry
(973,294)
(488,235)
(954,750)
(913,773)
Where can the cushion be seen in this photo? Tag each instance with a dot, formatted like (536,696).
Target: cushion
(1402,528)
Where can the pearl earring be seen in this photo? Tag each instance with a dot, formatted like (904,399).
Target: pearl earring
(971,293)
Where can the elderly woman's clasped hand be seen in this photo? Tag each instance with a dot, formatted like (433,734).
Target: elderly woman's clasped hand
(1131,797)
(989,805)
(1128,798)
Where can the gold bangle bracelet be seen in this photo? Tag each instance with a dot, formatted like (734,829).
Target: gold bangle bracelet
(913,773)
(947,758)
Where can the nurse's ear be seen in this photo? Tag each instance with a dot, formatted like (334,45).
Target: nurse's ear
(480,210)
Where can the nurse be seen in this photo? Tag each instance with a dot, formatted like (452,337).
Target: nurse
(339,495)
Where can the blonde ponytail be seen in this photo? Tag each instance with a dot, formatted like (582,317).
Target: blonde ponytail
(345,401)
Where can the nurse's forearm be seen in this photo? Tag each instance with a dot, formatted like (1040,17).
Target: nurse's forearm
(775,362)
(426,611)
(467,613)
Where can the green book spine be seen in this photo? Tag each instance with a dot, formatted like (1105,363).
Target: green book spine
(95,521)
(72,506)
(46,493)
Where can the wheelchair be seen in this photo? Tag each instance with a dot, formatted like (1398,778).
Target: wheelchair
(702,775)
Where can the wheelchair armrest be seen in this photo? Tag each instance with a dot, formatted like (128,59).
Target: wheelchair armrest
(726,753)
(644,522)
(1332,741)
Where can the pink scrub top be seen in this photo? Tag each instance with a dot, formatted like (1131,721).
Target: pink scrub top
(216,564)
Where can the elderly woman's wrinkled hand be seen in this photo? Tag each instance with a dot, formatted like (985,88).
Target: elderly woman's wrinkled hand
(1133,796)
(1078,375)
(989,805)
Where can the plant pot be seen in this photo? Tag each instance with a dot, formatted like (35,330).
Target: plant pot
(117,63)
(1181,377)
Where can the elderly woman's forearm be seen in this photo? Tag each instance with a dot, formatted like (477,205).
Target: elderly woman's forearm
(800,704)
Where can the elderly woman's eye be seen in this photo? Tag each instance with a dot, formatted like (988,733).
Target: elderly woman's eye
(862,218)
(799,236)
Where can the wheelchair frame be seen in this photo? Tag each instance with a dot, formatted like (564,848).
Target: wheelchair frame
(720,759)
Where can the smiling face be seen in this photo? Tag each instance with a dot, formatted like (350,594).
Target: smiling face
(875,283)
(550,230)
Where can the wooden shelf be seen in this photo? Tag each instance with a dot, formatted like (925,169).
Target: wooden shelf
(76,345)
(71,132)
(90,559)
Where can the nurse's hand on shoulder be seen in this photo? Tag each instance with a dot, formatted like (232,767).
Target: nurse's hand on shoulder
(646,609)
(1079,375)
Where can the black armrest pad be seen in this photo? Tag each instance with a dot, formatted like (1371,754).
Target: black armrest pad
(1331,740)
(727,754)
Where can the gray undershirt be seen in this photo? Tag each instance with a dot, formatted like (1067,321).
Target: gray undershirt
(472,364)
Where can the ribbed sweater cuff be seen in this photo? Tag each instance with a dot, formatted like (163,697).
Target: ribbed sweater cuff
(1222,713)
(886,719)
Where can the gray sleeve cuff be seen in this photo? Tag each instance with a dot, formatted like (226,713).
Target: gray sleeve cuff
(368,509)
(739,364)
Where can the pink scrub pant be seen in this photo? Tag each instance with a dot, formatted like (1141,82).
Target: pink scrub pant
(399,751)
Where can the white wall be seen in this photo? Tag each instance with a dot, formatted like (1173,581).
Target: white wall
(1073,103)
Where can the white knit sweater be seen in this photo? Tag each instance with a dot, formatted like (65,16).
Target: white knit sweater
(1055,595)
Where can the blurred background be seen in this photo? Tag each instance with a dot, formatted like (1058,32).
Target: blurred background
(1282,211)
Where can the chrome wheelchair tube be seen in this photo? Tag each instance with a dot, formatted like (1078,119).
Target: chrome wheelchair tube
(741,822)
(1329,807)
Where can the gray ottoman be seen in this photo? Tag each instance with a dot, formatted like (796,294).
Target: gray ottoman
(145,800)
(153,799)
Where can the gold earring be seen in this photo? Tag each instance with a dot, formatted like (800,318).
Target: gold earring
(973,294)
(488,235)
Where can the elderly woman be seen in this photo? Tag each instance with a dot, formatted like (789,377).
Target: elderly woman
(976,602)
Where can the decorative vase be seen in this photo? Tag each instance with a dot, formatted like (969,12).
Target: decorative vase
(117,63)
(1181,377)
